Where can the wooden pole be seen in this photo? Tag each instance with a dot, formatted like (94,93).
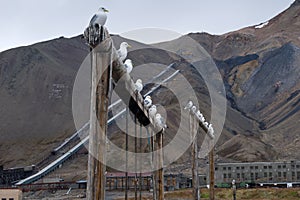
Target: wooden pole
(126,148)
(160,171)
(135,157)
(98,121)
(140,166)
(193,128)
(154,179)
(211,175)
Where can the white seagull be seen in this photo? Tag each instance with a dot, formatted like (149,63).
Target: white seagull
(148,102)
(210,131)
(99,18)
(194,109)
(159,121)
(122,52)
(205,124)
(152,111)
(128,65)
(200,116)
(188,105)
(139,85)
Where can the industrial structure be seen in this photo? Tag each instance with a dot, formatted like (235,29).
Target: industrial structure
(257,173)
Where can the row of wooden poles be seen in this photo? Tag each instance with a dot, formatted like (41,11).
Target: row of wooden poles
(107,68)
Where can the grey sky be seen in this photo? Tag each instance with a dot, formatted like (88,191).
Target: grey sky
(25,22)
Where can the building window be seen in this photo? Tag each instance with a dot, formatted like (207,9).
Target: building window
(284,166)
(265,167)
(279,166)
(252,176)
(229,175)
(284,174)
(229,168)
(298,175)
(237,168)
(242,167)
(11,199)
(279,174)
(224,168)
(298,166)
(256,175)
(225,175)
(216,169)
(238,175)
(243,175)
(256,167)
(251,167)
(3,199)
(270,167)
(270,174)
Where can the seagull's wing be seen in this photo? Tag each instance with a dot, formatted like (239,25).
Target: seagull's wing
(93,20)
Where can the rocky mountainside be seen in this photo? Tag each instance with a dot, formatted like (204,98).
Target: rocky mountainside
(260,68)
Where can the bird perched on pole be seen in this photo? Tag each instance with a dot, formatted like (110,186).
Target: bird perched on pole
(147,102)
(122,51)
(159,121)
(152,111)
(210,131)
(189,105)
(139,85)
(200,116)
(128,65)
(99,18)
(194,109)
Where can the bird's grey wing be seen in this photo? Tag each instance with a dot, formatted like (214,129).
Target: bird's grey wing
(93,20)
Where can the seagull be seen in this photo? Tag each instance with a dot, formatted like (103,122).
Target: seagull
(205,124)
(188,105)
(210,131)
(194,109)
(159,121)
(147,101)
(128,65)
(200,116)
(152,111)
(99,18)
(139,85)
(122,52)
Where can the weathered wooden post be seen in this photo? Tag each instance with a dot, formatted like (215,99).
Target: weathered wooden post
(211,175)
(195,176)
(100,86)
(158,175)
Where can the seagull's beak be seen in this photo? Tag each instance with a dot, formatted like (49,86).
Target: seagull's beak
(129,46)
(105,10)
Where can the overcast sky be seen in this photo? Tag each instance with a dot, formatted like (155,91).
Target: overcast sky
(25,22)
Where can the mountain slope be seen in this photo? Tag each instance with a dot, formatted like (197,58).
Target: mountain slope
(260,68)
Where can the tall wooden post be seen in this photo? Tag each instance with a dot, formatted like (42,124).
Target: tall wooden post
(101,58)
(126,148)
(193,128)
(211,175)
(160,171)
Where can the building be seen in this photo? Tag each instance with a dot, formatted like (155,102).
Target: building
(9,176)
(257,172)
(10,194)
